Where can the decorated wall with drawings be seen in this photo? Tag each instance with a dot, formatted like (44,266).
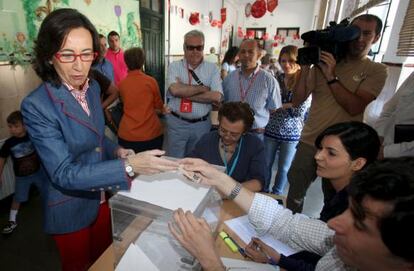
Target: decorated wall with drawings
(21,19)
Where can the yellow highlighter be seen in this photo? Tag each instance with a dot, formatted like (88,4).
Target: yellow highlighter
(229,242)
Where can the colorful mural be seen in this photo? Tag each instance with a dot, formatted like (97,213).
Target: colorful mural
(20,21)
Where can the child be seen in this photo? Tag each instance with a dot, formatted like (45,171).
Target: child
(26,165)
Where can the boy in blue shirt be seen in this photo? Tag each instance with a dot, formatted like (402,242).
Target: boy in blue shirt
(26,165)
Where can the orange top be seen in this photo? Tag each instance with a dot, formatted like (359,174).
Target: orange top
(141,96)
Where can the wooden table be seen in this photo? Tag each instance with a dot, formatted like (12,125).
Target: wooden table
(228,210)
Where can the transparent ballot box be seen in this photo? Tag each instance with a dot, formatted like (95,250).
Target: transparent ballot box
(140,217)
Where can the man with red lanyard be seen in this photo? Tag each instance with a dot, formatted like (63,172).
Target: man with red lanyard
(116,56)
(253,85)
(193,85)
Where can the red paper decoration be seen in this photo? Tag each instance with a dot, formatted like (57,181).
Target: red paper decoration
(194,18)
(240,33)
(265,36)
(223,14)
(250,34)
(274,44)
(271,5)
(258,9)
(214,23)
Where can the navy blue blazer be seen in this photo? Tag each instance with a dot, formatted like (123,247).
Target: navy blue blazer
(78,158)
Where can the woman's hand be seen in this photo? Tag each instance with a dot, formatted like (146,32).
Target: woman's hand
(209,174)
(258,251)
(124,153)
(150,162)
(195,235)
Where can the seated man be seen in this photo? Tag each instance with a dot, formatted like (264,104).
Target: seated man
(374,233)
(241,153)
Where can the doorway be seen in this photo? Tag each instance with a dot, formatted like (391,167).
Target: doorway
(152,28)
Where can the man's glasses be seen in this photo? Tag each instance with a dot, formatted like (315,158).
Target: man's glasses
(223,132)
(70,58)
(196,47)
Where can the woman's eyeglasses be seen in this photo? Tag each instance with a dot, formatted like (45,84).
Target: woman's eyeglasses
(70,58)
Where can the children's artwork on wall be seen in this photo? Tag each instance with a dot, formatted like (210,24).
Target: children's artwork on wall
(20,21)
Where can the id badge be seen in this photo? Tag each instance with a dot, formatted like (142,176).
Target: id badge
(186,105)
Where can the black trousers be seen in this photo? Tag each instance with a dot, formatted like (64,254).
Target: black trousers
(139,146)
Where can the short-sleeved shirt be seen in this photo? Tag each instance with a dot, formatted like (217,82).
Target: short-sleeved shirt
(325,111)
(208,74)
(106,68)
(118,63)
(141,96)
(250,164)
(24,156)
(228,67)
(263,94)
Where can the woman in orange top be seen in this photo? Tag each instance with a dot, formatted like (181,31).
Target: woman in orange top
(140,128)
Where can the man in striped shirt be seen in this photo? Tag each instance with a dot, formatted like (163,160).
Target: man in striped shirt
(253,85)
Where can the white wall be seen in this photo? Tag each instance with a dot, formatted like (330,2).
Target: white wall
(180,26)
(289,13)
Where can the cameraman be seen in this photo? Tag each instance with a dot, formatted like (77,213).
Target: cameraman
(340,92)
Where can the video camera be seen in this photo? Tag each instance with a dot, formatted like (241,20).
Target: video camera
(334,39)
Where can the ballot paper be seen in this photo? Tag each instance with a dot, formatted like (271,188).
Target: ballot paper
(135,259)
(241,226)
(233,264)
(170,190)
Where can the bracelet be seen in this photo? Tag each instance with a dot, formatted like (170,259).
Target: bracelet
(236,190)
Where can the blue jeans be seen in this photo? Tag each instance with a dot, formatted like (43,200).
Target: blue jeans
(284,152)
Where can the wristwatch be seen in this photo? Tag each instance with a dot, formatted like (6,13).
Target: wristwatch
(330,82)
(129,169)
(235,191)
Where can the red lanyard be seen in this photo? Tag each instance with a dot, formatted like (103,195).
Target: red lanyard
(243,94)
(190,77)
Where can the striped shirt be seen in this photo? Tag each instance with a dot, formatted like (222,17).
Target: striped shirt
(80,95)
(261,92)
(296,230)
(208,74)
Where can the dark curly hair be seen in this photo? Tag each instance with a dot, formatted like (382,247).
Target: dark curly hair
(52,34)
(392,181)
(235,111)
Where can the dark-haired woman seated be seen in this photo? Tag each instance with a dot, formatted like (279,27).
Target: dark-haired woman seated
(231,146)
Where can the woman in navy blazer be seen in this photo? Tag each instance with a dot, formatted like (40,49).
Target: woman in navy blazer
(66,124)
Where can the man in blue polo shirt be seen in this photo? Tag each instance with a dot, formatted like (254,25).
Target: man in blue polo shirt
(193,85)
(253,85)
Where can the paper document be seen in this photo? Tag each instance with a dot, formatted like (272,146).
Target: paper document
(169,190)
(135,259)
(241,227)
(233,264)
